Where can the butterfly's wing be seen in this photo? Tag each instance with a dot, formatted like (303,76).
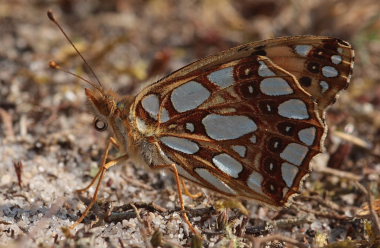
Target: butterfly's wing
(238,123)
(322,65)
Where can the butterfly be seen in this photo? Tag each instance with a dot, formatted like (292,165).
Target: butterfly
(244,122)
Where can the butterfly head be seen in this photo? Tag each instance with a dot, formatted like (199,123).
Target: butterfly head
(101,103)
(107,106)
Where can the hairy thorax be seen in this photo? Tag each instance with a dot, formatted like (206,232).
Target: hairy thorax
(141,145)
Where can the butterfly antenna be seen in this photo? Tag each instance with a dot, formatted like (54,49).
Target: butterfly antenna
(52,18)
(54,65)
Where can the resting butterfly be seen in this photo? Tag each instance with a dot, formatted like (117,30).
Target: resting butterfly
(245,122)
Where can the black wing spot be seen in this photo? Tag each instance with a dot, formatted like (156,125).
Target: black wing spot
(268,107)
(248,89)
(313,67)
(270,166)
(305,81)
(275,145)
(286,128)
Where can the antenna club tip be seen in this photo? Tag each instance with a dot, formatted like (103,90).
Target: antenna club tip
(50,15)
(53,64)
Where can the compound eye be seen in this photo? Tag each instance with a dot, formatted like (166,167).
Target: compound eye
(100,125)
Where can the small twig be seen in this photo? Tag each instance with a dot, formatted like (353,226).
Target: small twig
(118,217)
(259,242)
(143,230)
(213,232)
(319,213)
(137,213)
(7,120)
(339,173)
(288,223)
(257,230)
(340,155)
(18,168)
(5,222)
(55,239)
(152,207)
(356,141)
(121,243)
(197,211)
(352,139)
(23,125)
(324,202)
(137,183)
(375,217)
(373,214)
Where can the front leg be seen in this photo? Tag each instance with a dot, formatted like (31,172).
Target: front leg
(99,176)
(111,141)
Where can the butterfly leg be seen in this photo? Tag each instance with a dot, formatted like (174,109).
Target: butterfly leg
(111,141)
(173,168)
(105,166)
(188,193)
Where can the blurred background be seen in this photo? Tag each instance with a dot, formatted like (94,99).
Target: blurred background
(48,148)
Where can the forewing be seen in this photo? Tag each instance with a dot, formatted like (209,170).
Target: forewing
(322,65)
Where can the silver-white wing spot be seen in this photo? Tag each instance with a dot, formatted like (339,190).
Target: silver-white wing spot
(180,144)
(185,174)
(164,115)
(303,50)
(276,144)
(336,59)
(271,165)
(289,172)
(307,135)
(223,78)
(324,86)
(228,164)
(241,150)
(264,71)
(329,71)
(294,109)
(220,127)
(214,181)
(151,104)
(250,89)
(254,182)
(190,127)
(294,153)
(275,87)
(189,96)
